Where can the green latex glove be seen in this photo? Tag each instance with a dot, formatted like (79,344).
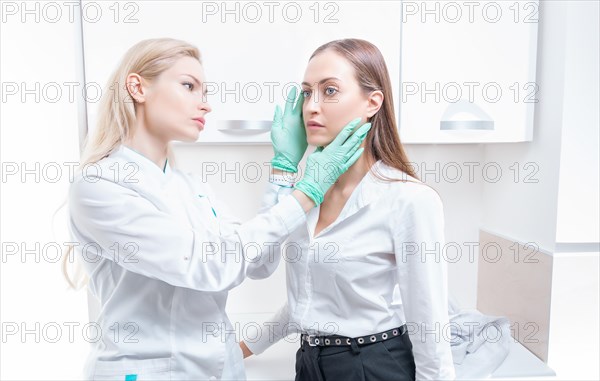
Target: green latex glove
(325,165)
(288,134)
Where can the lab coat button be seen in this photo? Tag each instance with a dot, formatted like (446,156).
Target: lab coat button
(212,378)
(186,258)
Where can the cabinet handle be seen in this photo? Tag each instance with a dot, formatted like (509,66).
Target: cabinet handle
(464,115)
(244,125)
(466,125)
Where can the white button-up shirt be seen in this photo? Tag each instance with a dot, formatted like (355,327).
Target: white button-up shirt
(161,252)
(342,280)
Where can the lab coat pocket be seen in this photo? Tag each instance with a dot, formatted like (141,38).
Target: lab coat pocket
(133,370)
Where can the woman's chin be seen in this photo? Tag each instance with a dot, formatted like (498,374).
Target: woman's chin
(318,142)
(190,138)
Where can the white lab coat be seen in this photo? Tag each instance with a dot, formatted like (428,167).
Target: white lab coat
(161,253)
(342,280)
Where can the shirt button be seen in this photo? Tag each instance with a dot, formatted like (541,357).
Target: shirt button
(186,258)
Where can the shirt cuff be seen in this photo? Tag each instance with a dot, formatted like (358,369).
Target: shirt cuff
(282,183)
(287,180)
(264,339)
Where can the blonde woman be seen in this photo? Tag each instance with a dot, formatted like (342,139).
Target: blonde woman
(158,247)
(377,228)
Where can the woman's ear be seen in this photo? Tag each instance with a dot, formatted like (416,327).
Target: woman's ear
(135,88)
(374,102)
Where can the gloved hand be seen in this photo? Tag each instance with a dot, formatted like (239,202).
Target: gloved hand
(288,134)
(325,165)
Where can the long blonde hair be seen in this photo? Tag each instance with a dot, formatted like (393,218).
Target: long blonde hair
(117,109)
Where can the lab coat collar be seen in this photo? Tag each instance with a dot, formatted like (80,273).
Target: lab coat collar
(368,190)
(147,168)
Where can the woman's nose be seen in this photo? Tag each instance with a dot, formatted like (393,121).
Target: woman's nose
(311,105)
(205,106)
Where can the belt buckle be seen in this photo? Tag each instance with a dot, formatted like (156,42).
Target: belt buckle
(310,340)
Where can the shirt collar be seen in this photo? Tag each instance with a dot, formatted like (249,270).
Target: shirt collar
(369,189)
(146,166)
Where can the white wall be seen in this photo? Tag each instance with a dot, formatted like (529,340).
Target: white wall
(573,341)
(37,132)
(578,219)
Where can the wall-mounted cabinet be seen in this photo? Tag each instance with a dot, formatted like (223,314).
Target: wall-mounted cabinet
(253,51)
(468,71)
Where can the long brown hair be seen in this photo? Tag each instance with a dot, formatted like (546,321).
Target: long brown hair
(382,141)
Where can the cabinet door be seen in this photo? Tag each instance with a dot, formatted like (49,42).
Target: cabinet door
(252,51)
(468,71)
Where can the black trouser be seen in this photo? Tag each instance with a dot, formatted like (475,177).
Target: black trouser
(391,359)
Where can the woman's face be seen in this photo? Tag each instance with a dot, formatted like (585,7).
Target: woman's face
(174,105)
(333,98)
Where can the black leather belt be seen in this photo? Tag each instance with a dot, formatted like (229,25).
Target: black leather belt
(324,341)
